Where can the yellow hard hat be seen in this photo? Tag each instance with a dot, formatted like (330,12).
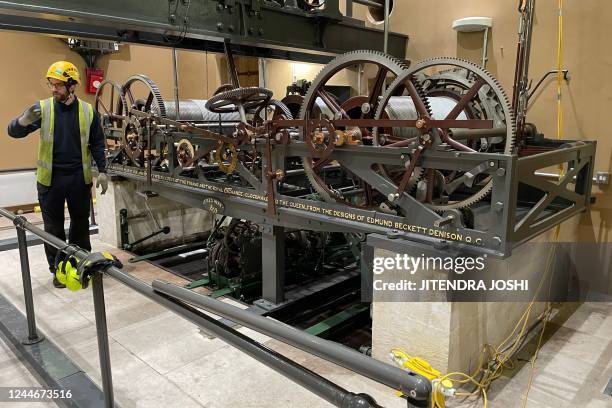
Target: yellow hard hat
(64,71)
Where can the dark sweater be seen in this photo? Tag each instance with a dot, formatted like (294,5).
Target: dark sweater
(67,157)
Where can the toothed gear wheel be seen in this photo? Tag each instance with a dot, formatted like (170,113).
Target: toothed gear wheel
(113,111)
(250,98)
(278,108)
(154,102)
(419,87)
(224,88)
(453,83)
(392,64)
(418,172)
(498,93)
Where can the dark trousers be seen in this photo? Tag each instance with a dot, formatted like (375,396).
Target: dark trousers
(70,188)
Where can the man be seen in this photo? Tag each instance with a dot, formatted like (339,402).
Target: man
(70,134)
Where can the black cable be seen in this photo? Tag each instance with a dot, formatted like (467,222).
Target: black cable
(185,23)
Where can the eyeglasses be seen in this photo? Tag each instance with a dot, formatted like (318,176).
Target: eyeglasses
(58,85)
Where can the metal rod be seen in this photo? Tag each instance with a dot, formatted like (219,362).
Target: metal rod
(102,335)
(359,78)
(349,8)
(263,72)
(231,64)
(17,170)
(484,48)
(409,383)
(273,263)
(554,71)
(176,84)
(130,246)
(22,224)
(478,133)
(555,176)
(33,336)
(297,373)
(386,34)
(310,380)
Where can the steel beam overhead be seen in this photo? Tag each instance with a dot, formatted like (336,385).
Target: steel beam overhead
(253,27)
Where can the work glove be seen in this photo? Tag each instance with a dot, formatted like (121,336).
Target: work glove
(102,182)
(29,116)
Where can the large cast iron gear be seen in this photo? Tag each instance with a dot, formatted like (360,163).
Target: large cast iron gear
(226,157)
(391,64)
(452,83)
(151,103)
(111,106)
(229,101)
(396,111)
(499,94)
(185,153)
(278,109)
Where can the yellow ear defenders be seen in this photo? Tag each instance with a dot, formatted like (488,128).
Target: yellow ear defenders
(66,268)
(67,274)
(77,274)
(95,261)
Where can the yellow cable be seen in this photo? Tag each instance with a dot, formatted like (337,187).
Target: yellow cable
(502,359)
(535,356)
(558,229)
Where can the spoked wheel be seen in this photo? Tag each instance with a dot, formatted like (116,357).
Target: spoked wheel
(451,85)
(141,94)
(239,100)
(459,129)
(294,103)
(273,110)
(185,154)
(112,109)
(329,179)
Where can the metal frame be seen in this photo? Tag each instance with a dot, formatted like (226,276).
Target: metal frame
(579,159)
(253,27)
(416,387)
(498,227)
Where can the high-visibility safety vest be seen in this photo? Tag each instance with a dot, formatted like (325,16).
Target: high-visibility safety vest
(45,146)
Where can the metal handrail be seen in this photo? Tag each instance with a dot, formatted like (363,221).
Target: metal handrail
(409,383)
(412,385)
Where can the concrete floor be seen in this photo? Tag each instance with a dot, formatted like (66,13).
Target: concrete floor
(159,359)
(14,374)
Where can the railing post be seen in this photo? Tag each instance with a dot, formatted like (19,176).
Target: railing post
(33,336)
(102,334)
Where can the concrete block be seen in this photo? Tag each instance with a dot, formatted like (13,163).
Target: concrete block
(450,335)
(186,224)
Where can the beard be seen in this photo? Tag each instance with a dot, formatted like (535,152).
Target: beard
(62,97)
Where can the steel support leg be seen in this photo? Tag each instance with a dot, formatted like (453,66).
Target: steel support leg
(33,336)
(367,277)
(273,263)
(103,348)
